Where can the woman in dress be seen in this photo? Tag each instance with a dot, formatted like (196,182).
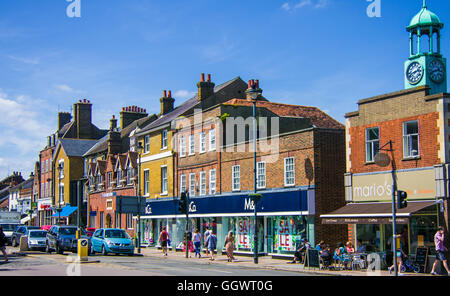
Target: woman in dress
(229,246)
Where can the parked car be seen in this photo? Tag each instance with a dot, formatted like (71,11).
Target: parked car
(90,231)
(62,238)
(111,240)
(8,229)
(36,239)
(19,232)
(46,227)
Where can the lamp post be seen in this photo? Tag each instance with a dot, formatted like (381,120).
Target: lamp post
(140,148)
(253,92)
(58,209)
(383,160)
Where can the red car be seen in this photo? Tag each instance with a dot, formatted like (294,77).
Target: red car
(90,231)
(46,227)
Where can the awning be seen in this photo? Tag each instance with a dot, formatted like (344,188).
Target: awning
(374,213)
(66,211)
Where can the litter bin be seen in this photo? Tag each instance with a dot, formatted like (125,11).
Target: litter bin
(83,248)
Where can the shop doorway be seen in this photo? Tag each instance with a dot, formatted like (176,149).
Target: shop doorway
(108,221)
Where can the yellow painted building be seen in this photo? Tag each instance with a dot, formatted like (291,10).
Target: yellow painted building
(68,170)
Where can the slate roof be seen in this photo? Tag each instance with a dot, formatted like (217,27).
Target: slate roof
(184,107)
(318,118)
(76,147)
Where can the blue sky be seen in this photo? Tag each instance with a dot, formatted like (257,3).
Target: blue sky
(324,53)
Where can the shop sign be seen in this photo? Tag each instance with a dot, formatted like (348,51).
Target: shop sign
(384,220)
(286,234)
(244,234)
(418,184)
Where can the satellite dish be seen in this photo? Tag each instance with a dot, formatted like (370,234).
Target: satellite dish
(382,160)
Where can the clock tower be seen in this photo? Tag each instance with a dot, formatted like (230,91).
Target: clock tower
(426,65)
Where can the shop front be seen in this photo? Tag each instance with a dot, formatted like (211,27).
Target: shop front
(44,208)
(283,220)
(369,214)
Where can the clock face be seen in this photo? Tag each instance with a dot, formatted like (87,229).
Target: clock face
(437,71)
(414,72)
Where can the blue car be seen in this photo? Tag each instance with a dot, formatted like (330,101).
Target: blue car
(111,240)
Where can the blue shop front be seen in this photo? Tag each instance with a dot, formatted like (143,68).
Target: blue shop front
(284,218)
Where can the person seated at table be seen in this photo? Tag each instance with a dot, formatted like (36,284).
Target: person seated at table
(361,249)
(325,255)
(341,255)
(320,246)
(300,252)
(349,247)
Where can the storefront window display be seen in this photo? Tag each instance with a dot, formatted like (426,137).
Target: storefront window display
(370,236)
(149,234)
(422,231)
(288,232)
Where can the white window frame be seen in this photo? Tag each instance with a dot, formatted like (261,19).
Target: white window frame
(164,139)
(291,170)
(212,181)
(147,144)
(146,182)
(202,142)
(129,221)
(191,144)
(371,143)
(109,176)
(261,178)
(164,181)
(407,142)
(212,139)
(236,178)
(192,184)
(182,183)
(182,146)
(202,183)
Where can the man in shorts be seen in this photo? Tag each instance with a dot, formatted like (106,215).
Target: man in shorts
(3,244)
(163,239)
(440,250)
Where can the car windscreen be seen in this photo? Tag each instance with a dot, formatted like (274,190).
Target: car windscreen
(116,233)
(9,227)
(68,231)
(37,234)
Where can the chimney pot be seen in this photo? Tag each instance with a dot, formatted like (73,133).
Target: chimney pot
(170,94)
(165,94)
(209,78)
(203,77)
(257,83)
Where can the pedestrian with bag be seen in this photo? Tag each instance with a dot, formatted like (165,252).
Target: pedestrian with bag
(205,237)
(440,251)
(211,243)
(163,240)
(197,243)
(3,242)
(229,246)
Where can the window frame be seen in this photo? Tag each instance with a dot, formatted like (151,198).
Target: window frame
(202,183)
(234,177)
(164,181)
(286,171)
(258,180)
(372,144)
(211,187)
(164,139)
(408,140)
(212,139)
(191,184)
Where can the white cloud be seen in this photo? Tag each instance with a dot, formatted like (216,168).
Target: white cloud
(25,125)
(304,3)
(29,61)
(184,94)
(64,88)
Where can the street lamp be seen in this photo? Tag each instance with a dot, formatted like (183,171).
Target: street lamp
(253,92)
(58,209)
(140,148)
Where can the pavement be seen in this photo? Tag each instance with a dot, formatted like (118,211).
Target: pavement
(267,262)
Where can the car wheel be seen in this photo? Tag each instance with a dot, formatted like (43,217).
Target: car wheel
(104,252)
(59,250)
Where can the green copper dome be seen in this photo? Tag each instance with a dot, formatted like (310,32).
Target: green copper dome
(425,18)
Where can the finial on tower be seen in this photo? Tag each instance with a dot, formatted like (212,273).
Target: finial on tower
(424,3)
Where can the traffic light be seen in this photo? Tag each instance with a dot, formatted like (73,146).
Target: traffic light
(182,205)
(401,199)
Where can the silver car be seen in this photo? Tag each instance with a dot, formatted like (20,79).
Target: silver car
(36,239)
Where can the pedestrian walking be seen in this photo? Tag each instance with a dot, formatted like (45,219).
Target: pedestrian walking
(197,243)
(3,242)
(440,251)
(163,240)
(400,254)
(229,246)
(211,243)
(205,237)
(189,243)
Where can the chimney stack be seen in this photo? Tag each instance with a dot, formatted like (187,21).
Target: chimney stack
(114,142)
(205,88)
(130,114)
(253,92)
(63,119)
(82,115)
(166,102)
